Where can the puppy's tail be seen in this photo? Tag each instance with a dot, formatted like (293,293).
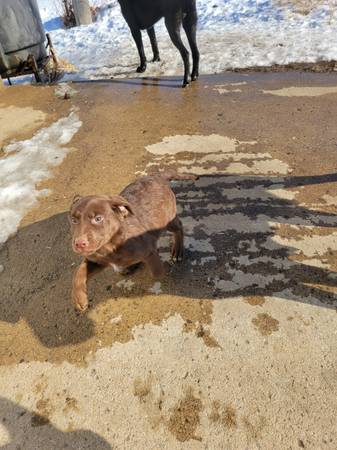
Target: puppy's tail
(170,175)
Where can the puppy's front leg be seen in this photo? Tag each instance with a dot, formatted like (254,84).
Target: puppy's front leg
(79,293)
(156,265)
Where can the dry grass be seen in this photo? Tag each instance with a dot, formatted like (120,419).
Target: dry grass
(66,12)
(304,6)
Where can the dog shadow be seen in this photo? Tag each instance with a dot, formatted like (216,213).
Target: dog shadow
(233,250)
(28,430)
(140,81)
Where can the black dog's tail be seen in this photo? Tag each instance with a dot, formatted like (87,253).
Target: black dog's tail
(171,175)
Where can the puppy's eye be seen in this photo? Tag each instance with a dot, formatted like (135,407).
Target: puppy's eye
(99,219)
(74,220)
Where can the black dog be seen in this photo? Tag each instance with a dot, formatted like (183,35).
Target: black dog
(143,14)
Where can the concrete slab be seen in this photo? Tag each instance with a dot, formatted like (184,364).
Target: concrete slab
(236,347)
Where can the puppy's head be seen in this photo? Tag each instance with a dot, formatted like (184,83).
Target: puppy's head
(95,220)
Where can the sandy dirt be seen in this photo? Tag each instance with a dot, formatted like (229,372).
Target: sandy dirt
(235,347)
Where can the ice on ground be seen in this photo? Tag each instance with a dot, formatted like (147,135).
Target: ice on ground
(231,34)
(156,288)
(310,246)
(63,89)
(303,91)
(199,245)
(126,284)
(172,145)
(27,163)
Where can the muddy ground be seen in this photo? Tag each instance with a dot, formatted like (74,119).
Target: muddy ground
(316,67)
(236,347)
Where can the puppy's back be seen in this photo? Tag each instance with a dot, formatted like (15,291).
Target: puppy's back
(152,200)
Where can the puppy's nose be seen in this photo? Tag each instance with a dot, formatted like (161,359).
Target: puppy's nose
(81,244)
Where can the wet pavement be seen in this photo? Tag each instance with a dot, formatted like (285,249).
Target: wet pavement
(236,347)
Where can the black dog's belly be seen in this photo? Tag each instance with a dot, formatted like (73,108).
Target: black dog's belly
(141,13)
(147,12)
(146,22)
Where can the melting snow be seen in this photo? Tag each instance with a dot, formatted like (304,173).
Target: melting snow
(26,164)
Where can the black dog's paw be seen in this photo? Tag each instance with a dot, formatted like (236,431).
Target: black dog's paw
(194,76)
(141,69)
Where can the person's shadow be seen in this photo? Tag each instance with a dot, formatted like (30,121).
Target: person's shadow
(232,250)
(29,431)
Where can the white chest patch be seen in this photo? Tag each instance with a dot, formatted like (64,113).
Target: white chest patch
(116,268)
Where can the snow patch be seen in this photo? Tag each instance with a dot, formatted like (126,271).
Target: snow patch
(228,87)
(26,164)
(303,91)
(274,166)
(214,143)
(242,280)
(310,246)
(199,245)
(207,259)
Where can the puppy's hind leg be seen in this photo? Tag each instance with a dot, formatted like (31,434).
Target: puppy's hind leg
(154,44)
(156,265)
(176,227)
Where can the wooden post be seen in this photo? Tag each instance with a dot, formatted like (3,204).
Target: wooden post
(82,12)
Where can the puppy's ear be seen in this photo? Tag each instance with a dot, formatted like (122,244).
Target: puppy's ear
(120,205)
(76,199)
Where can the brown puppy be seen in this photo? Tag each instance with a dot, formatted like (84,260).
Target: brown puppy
(123,230)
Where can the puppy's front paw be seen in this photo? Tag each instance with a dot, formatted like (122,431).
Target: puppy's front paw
(80,302)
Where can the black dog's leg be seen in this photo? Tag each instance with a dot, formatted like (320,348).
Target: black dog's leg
(154,45)
(173,24)
(190,27)
(137,36)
